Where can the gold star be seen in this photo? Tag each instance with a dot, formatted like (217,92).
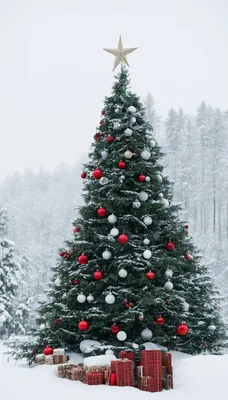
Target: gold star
(120,54)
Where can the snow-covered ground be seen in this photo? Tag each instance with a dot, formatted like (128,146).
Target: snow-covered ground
(198,378)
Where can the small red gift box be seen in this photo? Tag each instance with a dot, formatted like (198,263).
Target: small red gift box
(130,355)
(96,378)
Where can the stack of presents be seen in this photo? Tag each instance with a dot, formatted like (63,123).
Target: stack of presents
(58,357)
(152,373)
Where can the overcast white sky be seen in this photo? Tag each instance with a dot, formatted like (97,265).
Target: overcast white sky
(54,73)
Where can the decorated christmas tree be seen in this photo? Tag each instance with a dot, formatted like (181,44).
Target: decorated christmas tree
(131,273)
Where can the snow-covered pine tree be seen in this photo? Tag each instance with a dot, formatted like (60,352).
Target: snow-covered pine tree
(10,270)
(131,272)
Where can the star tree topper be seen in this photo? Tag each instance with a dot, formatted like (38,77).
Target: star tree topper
(120,54)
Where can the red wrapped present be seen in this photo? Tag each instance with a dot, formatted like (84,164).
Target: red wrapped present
(124,371)
(78,374)
(96,378)
(112,380)
(149,384)
(151,360)
(130,355)
(170,370)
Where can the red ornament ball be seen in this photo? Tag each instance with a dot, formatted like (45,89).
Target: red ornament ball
(141,178)
(97,137)
(160,320)
(101,212)
(110,139)
(68,256)
(98,275)
(182,329)
(188,256)
(83,175)
(115,328)
(170,246)
(83,259)
(75,282)
(83,325)
(48,351)
(122,239)
(186,226)
(57,321)
(103,112)
(97,173)
(62,253)
(102,122)
(121,164)
(150,275)
(76,229)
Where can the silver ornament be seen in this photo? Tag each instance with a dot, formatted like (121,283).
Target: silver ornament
(146,241)
(136,204)
(128,132)
(147,220)
(143,196)
(145,155)
(110,299)
(147,254)
(146,334)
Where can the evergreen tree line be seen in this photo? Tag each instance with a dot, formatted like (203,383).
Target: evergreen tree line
(196,159)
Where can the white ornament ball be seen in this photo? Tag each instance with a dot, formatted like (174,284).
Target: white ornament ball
(165,203)
(146,334)
(145,155)
(132,109)
(128,132)
(159,177)
(42,327)
(90,298)
(103,180)
(146,241)
(147,179)
(152,143)
(147,254)
(161,195)
(48,325)
(185,306)
(136,204)
(106,255)
(112,219)
(109,352)
(122,177)
(211,328)
(114,232)
(169,273)
(117,110)
(128,154)
(104,155)
(168,286)
(143,196)
(81,298)
(121,336)
(123,273)
(147,221)
(110,299)
(58,282)
(133,120)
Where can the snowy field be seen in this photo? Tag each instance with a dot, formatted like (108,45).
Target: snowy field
(198,378)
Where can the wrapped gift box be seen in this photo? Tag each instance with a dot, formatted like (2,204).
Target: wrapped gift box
(166,359)
(94,378)
(149,384)
(78,374)
(54,359)
(129,355)
(124,371)
(40,359)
